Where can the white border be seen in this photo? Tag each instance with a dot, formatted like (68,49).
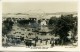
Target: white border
(27,49)
(36,0)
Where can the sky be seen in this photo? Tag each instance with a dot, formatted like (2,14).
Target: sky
(38,7)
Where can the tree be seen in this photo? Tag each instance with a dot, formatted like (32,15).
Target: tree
(74,30)
(52,22)
(7,26)
(64,25)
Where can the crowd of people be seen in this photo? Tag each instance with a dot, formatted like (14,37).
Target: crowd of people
(34,33)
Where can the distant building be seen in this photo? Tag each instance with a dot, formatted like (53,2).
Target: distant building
(43,23)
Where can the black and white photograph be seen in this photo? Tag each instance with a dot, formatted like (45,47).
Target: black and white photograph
(39,24)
